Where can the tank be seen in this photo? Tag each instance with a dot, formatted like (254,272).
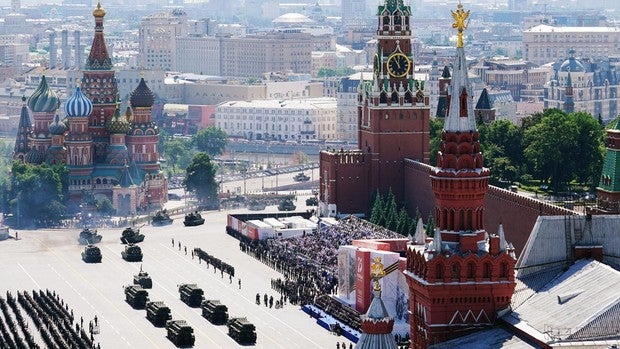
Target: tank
(301,177)
(312,201)
(241,330)
(132,253)
(89,236)
(180,333)
(143,279)
(91,254)
(193,219)
(161,218)
(158,313)
(136,296)
(190,294)
(132,235)
(286,205)
(214,311)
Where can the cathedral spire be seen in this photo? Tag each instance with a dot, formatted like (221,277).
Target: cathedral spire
(98,59)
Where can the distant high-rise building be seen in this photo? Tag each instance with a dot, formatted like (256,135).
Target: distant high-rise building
(64,46)
(53,48)
(158,34)
(77,49)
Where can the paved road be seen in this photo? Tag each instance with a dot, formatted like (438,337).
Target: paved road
(50,259)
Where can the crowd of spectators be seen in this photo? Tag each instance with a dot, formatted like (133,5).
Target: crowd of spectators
(309,262)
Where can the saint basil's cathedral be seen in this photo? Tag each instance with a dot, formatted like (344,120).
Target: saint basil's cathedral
(108,153)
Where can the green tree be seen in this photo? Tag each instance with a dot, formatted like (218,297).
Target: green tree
(211,140)
(402,226)
(174,150)
(377,209)
(200,180)
(436,126)
(36,195)
(391,211)
(430,226)
(589,154)
(105,207)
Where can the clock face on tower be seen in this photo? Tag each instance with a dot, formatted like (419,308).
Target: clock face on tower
(398,65)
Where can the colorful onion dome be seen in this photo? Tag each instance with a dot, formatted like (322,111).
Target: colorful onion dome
(78,104)
(99,11)
(57,127)
(34,156)
(142,96)
(118,123)
(43,99)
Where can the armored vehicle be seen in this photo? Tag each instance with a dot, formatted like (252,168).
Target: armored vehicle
(193,218)
(136,296)
(132,235)
(312,201)
(143,279)
(255,205)
(132,253)
(190,294)
(180,333)
(215,312)
(161,218)
(301,177)
(91,254)
(241,330)
(286,205)
(88,237)
(158,313)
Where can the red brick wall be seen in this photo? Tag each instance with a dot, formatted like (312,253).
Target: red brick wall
(517,213)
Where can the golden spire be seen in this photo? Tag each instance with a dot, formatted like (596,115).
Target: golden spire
(460,16)
(376,273)
(99,11)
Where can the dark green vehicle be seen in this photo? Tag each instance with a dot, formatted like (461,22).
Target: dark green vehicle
(161,218)
(91,254)
(241,330)
(215,312)
(132,235)
(286,205)
(158,313)
(193,219)
(180,333)
(143,279)
(136,296)
(191,294)
(89,236)
(132,253)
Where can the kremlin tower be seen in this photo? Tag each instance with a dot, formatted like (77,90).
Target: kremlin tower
(460,279)
(107,153)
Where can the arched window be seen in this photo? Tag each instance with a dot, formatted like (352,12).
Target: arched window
(471,270)
(503,271)
(439,271)
(456,271)
(486,270)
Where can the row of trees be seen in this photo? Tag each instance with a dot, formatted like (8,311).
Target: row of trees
(179,151)
(386,213)
(554,147)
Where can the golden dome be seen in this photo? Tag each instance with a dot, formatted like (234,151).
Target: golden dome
(99,11)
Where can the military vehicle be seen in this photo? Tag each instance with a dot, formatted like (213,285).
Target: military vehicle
(241,330)
(91,254)
(191,294)
(161,218)
(132,253)
(286,205)
(180,333)
(312,201)
(143,279)
(132,235)
(89,236)
(193,219)
(255,205)
(214,311)
(158,313)
(301,177)
(136,296)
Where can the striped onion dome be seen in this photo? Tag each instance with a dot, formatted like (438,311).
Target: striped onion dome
(43,99)
(78,104)
(34,156)
(57,127)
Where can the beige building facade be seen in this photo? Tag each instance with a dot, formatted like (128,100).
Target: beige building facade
(543,43)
